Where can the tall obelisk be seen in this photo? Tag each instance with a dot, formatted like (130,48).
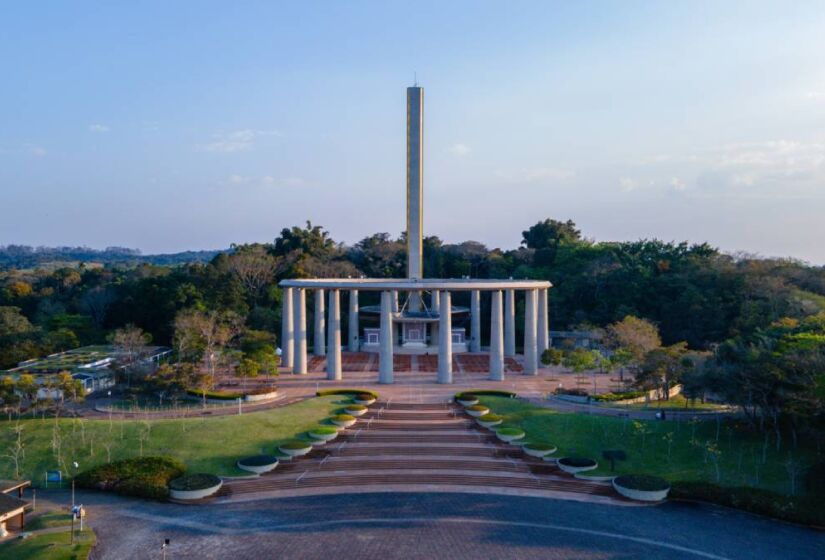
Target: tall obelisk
(415,188)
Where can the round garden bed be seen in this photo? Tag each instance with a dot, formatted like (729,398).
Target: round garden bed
(355,409)
(642,487)
(295,448)
(258,463)
(477,410)
(364,398)
(538,449)
(573,465)
(489,420)
(194,486)
(324,433)
(343,420)
(466,399)
(509,434)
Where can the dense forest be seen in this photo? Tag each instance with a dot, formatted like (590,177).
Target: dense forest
(26,257)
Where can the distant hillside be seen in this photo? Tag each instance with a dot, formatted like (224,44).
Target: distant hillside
(24,256)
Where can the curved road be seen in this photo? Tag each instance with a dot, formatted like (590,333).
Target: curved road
(430,525)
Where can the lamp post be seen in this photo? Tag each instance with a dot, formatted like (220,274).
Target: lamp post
(163,548)
(75,467)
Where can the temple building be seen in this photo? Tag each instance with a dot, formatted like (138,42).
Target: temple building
(416,315)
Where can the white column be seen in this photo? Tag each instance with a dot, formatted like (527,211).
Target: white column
(530,348)
(385,371)
(496,338)
(543,334)
(445,339)
(299,312)
(434,307)
(318,342)
(353,321)
(334,337)
(509,323)
(475,321)
(287,337)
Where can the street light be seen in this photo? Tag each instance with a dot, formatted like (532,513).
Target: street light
(75,466)
(163,547)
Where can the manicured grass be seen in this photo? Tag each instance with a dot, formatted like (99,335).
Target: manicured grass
(50,546)
(678,403)
(48,520)
(210,445)
(694,452)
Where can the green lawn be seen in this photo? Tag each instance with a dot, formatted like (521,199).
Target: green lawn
(51,546)
(205,444)
(677,403)
(48,520)
(694,453)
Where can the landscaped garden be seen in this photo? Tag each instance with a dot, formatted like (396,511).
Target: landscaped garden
(710,460)
(203,444)
(53,545)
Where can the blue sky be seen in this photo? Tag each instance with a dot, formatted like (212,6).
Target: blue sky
(185,125)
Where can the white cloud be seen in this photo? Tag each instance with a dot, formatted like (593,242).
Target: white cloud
(460,149)
(97,127)
(626,184)
(677,184)
(537,175)
(235,141)
(37,151)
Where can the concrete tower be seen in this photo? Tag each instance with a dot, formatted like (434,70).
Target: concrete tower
(415,186)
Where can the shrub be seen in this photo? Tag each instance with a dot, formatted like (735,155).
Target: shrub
(196,481)
(490,418)
(487,393)
(797,509)
(216,395)
(323,430)
(623,396)
(642,482)
(477,407)
(466,397)
(295,444)
(258,460)
(356,407)
(577,462)
(571,392)
(349,392)
(343,417)
(145,477)
(510,431)
(539,446)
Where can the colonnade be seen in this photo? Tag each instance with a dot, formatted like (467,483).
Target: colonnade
(327,330)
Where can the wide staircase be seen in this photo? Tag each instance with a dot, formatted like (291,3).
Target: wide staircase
(406,446)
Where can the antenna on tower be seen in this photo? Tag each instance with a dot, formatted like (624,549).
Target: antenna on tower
(415,79)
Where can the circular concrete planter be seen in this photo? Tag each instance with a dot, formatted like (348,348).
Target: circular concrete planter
(540,453)
(343,422)
(573,469)
(505,435)
(639,495)
(365,402)
(262,397)
(322,436)
(197,493)
(258,468)
(296,452)
(490,424)
(477,410)
(467,402)
(355,411)
(593,477)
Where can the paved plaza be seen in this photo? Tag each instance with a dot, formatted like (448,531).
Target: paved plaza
(431,526)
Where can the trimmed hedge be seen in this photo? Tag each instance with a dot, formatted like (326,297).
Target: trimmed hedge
(539,446)
(296,444)
(258,460)
(478,407)
(144,477)
(806,510)
(490,417)
(343,417)
(571,392)
(486,393)
(510,431)
(196,481)
(577,462)
(349,392)
(324,430)
(216,395)
(613,397)
(642,482)
(355,407)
